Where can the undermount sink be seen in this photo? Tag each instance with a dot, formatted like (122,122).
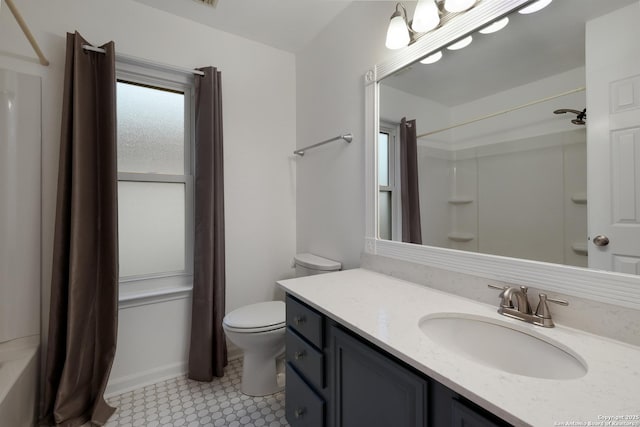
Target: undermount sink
(499,345)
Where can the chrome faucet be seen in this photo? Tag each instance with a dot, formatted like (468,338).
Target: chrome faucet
(514,303)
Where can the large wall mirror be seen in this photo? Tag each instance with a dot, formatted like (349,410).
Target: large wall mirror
(527,140)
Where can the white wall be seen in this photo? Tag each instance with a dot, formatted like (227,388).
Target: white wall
(258,85)
(429,115)
(434,186)
(19,205)
(330,101)
(530,121)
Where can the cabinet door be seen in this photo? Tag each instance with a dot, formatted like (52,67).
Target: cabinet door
(463,416)
(369,389)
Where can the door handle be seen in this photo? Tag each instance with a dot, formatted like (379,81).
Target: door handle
(601,240)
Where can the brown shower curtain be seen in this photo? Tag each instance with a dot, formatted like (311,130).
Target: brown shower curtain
(208,350)
(410,195)
(84,283)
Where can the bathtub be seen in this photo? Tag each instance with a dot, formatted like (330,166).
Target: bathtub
(19,368)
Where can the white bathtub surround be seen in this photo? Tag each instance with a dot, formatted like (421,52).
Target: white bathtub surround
(387,311)
(20,209)
(608,320)
(19,381)
(20,108)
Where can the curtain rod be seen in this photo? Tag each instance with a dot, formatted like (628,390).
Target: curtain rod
(170,67)
(347,137)
(27,33)
(499,113)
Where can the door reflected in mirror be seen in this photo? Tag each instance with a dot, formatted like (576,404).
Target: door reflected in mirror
(511,129)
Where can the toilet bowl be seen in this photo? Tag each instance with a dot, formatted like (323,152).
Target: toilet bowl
(259,331)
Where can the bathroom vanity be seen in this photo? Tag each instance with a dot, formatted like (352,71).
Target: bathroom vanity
(335,378)
(358,353)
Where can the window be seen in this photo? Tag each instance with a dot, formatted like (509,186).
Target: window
(155,180)
(387,194)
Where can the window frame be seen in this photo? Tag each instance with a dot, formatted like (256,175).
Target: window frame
(156,76)
(392,130)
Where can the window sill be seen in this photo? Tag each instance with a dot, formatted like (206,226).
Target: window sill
(152,291)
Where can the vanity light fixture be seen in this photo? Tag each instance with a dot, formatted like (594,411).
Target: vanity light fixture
(402,32)
(461,44)
(433,58)
(426,17)
(495,27)
(398,31)
(534,7)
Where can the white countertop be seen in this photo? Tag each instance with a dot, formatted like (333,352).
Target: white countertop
(386,311)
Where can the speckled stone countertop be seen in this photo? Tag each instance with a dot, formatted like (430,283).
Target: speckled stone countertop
(387,311)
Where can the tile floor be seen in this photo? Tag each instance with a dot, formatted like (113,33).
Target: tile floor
(183,402)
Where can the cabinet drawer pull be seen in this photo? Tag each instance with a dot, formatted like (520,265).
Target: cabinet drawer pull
(299,320)
(299,412)
(299,354)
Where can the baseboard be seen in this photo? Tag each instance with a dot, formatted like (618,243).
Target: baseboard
(142,379)
(139,380)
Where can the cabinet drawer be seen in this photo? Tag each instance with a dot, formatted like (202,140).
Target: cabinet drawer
(305,321)
(304,407)
(305,358)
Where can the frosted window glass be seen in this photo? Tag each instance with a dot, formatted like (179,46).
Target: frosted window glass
(384,214)
(383,159)
(151,227)
(150,130)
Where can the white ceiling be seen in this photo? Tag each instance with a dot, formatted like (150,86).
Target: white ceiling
(284,24)
(530,48)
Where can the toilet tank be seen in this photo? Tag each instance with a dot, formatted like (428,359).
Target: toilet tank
(310,264)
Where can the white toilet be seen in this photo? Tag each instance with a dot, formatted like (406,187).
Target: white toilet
(258,330)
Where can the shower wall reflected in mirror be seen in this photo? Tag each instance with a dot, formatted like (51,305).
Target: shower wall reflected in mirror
(502,140)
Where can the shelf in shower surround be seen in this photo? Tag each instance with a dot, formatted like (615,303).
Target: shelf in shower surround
(460,200)
(580,248)
(461,237)
(579,198)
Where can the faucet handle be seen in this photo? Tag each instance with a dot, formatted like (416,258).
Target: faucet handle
(543,309)
(502,288)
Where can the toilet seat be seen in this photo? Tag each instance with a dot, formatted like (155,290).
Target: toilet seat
(255,318)
(253,330)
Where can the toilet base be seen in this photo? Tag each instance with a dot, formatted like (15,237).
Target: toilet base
(259,374)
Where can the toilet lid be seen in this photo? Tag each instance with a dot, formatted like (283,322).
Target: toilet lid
(315,262)
(257,315)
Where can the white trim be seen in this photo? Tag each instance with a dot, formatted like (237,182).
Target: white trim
(129,299)
(612,288)
(138,380)
(607,287)
(372,117)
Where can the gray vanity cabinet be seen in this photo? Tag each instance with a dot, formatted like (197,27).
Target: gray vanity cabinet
(305,390)
(335,378)
(371,390)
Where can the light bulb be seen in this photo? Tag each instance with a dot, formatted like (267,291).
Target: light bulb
(435,57)
(456,6)
(534,7)
(461,44)
(397,33)
(426,16)
(496,26)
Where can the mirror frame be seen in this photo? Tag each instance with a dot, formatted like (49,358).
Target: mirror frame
(598,285)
